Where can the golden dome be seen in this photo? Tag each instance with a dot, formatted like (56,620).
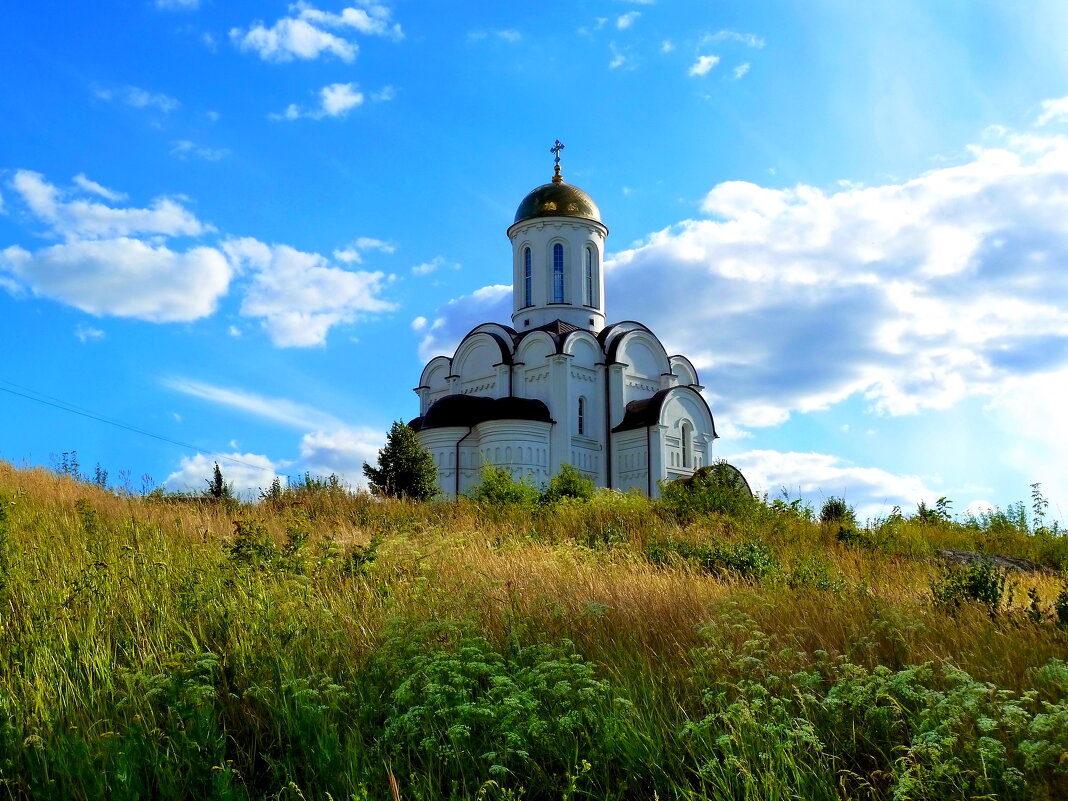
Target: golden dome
(557,200)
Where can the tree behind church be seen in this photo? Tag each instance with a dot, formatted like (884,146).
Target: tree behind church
(405,469)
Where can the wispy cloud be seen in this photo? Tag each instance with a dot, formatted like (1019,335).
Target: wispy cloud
(353,254)
(138,98)
(703,65)
(177,5)
(86,333)
(748,39)
(509,35)
(1053,110)
(300,416)
(97,189)
(185,149)
(741,70)
(625,21)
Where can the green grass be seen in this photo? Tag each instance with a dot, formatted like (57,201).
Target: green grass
(320,645)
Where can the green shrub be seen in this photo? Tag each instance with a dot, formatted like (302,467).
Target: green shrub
(836,510)
(980,582)
(569,483)
(497,487)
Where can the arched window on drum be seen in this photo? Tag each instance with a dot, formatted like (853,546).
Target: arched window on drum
(558,273)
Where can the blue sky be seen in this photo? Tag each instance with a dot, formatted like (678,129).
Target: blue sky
(243,227)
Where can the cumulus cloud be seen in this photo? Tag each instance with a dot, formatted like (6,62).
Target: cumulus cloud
(624,21)
(335,100)
(460,315)
(342,451)
(247,472)
(80,218)
(118,261)
(817,476)
(125,277)
(308,34)
(703,65)
(299,296)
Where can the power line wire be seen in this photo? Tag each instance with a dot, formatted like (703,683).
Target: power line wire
(64,406)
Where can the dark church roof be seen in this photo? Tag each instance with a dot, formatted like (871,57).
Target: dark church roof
(470,410)
(643,413)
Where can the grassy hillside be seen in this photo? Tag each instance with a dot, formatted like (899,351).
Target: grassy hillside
(326,645)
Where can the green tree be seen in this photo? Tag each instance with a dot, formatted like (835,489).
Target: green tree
(405,468)
(217,486)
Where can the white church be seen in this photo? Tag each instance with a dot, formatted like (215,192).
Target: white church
(559,385)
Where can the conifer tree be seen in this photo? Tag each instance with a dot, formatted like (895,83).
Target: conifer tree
(405,468)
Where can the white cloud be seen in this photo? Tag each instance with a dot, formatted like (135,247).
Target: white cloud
(125,278)
(1053,110)
(305,36)
(419,323)
(281,410)
(339,98)
(353,254)
(383,95)
(177,5)
(88,219)
(741,70)
(183,149)
(428,267)
(914,295)
(748,39)
(299,296)
(292,38)
(455,318)
(509,35)
(335,100)
(247,472)
(817,476)
(625,21)
(667,46)
(97,189)
(342,451)
(139,98)
(703,65)
(619,59)
(86,333)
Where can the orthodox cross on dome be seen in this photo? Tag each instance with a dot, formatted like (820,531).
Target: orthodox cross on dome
(555,150)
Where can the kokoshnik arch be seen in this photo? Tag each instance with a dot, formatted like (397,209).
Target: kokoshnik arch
(558,385)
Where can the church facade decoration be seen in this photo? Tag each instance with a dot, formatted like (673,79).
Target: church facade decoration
(559,385)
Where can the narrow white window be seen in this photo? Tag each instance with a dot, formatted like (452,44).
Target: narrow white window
(582,417)
(686,444)
(588,278)
(558,273)
(528,279)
